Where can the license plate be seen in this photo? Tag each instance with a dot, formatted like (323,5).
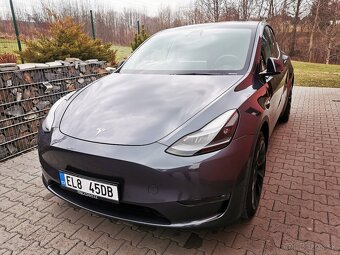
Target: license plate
(90,188)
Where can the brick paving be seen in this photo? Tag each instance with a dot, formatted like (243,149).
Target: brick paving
(299,212)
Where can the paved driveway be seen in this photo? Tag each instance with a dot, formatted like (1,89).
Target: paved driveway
(299,212)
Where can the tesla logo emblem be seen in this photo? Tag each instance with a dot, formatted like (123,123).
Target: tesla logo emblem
(99,130)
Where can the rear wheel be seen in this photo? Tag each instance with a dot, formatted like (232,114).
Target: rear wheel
(256,176)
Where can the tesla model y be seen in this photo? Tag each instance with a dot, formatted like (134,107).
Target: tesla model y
(177,136)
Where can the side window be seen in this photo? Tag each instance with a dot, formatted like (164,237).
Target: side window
(272,43)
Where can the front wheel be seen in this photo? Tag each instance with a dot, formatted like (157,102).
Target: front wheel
(256,176)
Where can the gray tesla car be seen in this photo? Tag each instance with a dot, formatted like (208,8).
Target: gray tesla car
(178,135)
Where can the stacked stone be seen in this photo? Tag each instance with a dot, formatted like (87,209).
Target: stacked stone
(27,91)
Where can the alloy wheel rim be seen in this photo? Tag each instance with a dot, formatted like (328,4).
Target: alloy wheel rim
(259,166)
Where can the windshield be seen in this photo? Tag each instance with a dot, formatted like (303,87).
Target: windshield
(193,51)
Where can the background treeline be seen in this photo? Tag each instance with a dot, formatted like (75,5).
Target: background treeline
(308,30)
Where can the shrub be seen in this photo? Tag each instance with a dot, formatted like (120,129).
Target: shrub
(66,39)
(139,38)
(8,58)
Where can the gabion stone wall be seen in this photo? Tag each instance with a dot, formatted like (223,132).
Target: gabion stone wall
(27,93)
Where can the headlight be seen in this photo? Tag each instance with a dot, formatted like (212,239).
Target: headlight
(48,122)
(215,135)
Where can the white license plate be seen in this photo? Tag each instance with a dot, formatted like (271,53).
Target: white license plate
(87,187)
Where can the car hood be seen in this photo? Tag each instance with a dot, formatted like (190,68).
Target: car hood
(139,109)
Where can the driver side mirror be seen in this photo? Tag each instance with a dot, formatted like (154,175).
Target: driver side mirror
(274,66)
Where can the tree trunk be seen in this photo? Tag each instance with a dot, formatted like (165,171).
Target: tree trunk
(329,49)
(271,9)
(260,9)
(332,32)
(295,23)
(216,10)
(244,9)
(311,38)
(284,8)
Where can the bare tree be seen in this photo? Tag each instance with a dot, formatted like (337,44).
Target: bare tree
(164,16)
(271,9)
(332,28)
(244,9)
(298,24)
(247,8)
(315,23)
(296,20)
(212,8)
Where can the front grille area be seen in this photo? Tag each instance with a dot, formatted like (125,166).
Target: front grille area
(119,211)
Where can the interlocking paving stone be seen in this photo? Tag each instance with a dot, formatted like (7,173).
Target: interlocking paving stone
(108,244)
(62,243)
(10,222)
(299,212)
(49,221)
(90,220)
(42,235)
(86,235)
(25,229)
(208,246)
(55,209)
(5,252)
(127,248)
(221,250)
(227,238)
(67,228)
(109,227)
(19,209)
(81,248)
(131,235)
(256,246)
(35,249)
(16,244)
(174,249)
(153,243)
(72,214)
(5,235)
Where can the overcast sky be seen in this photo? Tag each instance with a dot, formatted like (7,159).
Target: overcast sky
(151,6)
(148,6)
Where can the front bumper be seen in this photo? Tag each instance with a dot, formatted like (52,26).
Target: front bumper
(155,188)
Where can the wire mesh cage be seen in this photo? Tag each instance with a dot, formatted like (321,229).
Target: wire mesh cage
(27,95)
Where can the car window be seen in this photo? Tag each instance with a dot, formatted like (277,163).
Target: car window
(208,50)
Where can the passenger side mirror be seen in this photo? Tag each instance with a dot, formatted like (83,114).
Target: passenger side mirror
(274,66)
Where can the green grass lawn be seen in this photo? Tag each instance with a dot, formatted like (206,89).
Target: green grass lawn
(122,52)
(9,46)
(316,75)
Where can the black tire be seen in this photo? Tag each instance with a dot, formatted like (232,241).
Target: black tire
(286,112)
(256,171)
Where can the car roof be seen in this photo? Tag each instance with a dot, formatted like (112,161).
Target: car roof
(225,24)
